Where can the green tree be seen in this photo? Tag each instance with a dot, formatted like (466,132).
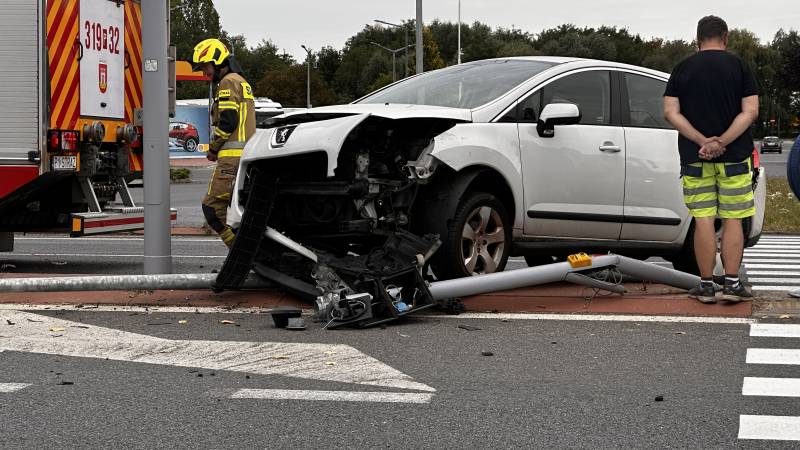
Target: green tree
(288,87)
(191,21)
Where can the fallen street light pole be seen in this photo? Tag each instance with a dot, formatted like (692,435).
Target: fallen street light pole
(440,290)
(121,283)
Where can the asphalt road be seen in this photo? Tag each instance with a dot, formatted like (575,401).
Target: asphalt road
(775,163)
(185,197)
(109,255)
(549,384)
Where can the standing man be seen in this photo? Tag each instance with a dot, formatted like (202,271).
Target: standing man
(712,99)
(234,121)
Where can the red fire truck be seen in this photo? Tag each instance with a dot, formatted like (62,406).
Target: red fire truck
(70,116)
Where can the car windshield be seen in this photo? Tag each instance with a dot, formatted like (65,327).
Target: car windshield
(466,85)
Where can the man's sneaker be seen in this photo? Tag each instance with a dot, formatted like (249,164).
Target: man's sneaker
(736,293)
(703,294)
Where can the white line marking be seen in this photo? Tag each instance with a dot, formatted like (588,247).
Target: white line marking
(750,265)
(12,387)
(111,239)
(775,281)
(771,387)
(773,273)
(772,254)
(332,396)
(306,361)
(775,330)
(786,288)
(599,318)
(104,255)
(776,246)
(464,316)
(785,356)
(776,261)
(778,428)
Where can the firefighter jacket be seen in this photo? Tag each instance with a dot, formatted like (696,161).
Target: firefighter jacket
(234,116)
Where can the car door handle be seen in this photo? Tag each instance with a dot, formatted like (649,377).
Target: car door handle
(610,147)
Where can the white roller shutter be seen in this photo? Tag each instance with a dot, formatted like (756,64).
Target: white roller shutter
(19,80)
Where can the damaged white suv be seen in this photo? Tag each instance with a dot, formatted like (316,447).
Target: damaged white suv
(535,156)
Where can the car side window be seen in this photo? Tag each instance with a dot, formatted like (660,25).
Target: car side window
(646,102)
(591,91)
(526,111)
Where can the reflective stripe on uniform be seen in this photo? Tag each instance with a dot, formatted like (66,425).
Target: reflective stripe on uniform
(229,153)
(228,105)
(700,190)
(737,206)
(242,121)
(736,191)
(702,205)
(218,132)
(233,145)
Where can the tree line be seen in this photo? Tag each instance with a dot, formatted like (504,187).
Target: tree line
(343,75)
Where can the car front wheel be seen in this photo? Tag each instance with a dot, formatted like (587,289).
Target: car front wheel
(478,238)
(190,145)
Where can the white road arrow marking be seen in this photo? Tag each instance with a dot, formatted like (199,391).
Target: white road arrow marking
(12,387)
(30,333)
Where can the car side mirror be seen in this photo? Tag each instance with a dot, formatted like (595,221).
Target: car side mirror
(557,114)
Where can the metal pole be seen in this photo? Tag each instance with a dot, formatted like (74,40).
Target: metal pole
(308,76)
(420,44)
(157,247)
(183,281)
(406,58)
(459,31)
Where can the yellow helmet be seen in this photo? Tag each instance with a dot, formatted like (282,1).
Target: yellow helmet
(209,50)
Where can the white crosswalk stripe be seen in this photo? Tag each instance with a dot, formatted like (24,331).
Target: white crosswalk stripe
(771,427)
(774,263)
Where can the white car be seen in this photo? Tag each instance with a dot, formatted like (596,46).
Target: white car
(535,156)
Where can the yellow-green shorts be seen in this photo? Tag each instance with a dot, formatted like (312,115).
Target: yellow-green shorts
(719,189)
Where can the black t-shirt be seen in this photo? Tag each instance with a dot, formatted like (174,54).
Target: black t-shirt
(710,86)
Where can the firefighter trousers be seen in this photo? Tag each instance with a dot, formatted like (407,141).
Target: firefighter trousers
(218,197)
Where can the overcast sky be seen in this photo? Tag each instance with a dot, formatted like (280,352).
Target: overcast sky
(318,23)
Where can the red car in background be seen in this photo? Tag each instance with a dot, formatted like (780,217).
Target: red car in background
(186,135)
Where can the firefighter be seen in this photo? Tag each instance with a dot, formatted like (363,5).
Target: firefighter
(234,120)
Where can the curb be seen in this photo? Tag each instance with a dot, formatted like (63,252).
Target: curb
(557,298)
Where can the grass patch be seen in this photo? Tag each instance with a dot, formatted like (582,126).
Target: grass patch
(179,174)
(782,214)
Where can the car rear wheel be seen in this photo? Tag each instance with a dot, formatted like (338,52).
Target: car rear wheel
(190,145)
(478,238)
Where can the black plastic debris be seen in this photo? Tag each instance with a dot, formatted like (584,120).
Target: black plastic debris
(659,398)
(296,323)
(487,354)
(469,328)
(281,315)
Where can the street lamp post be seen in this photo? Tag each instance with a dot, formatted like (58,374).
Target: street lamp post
(394,54)
(308,77)
(406,47)
(459,31)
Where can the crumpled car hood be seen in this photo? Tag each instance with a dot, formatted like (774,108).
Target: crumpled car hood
(325,129)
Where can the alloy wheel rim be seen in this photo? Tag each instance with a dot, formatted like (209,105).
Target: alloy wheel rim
(483,241)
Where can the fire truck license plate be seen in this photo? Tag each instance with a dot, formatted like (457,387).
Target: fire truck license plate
(64,162)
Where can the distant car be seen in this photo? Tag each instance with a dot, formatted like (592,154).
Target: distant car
(772,144)
(267,108)
(186,134)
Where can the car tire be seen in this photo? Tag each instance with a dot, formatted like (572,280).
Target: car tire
(190,145)
(477,240)
(685,260)
(538,260)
